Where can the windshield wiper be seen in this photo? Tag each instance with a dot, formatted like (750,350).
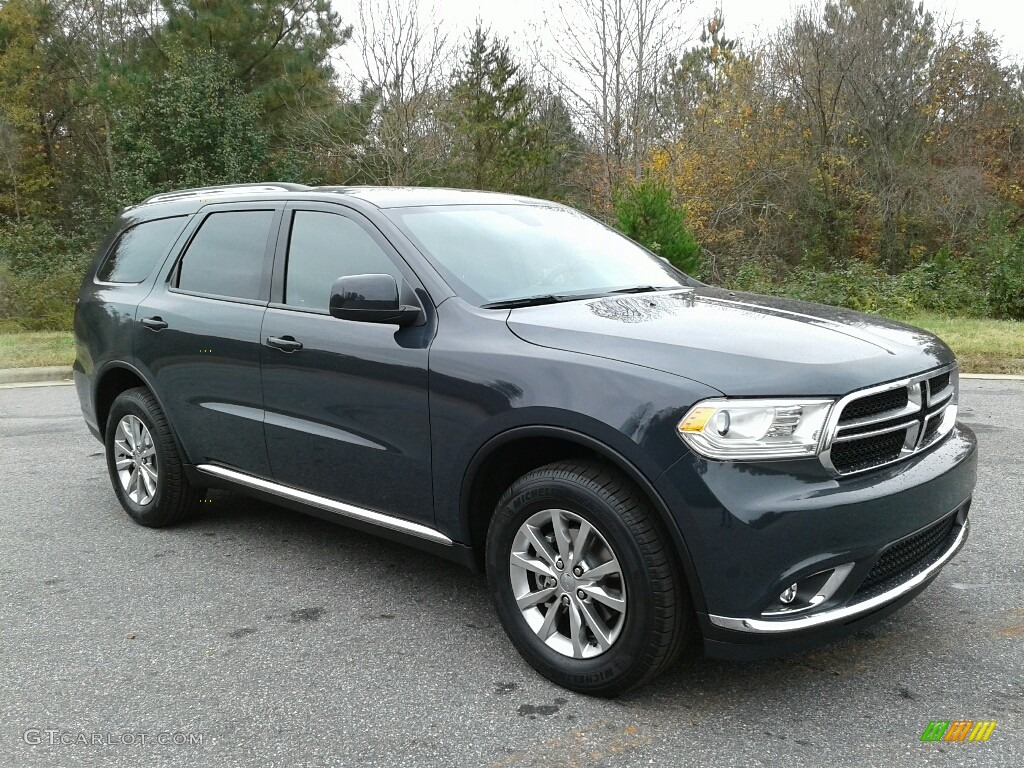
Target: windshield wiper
(645,288)
(529,301)
(551,298)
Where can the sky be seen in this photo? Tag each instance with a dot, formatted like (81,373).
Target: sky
(519,20)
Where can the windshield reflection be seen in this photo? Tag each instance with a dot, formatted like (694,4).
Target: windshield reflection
(501,253)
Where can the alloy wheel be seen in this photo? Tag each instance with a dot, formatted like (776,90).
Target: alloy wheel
(135,460)
(568,583)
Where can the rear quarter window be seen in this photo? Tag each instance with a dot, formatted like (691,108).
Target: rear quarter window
(137,250)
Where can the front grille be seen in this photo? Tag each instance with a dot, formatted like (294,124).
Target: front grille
(872,405)
(855,455)
(876,426)
(891,423)
(902,560)
(937,384)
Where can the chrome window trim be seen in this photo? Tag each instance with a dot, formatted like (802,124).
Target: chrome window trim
(764,626)
(920,402)
(322,502)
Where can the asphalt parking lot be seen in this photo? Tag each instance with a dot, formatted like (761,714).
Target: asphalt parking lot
(276,639)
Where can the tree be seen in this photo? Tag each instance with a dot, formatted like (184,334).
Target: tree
(72,69)
(489,112)
(645,212)
(858,72)
(976,141)
(404,67)
(504,131)
(191,126)
(328,145)
(559,148)
(278,50)
(611,55)
(34,107)
(692,85)
(724,155)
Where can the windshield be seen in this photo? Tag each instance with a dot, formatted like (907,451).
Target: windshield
(492,254)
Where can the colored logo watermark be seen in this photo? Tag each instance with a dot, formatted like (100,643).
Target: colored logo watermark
(958,730)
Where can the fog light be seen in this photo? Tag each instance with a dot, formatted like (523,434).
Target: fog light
(788,595)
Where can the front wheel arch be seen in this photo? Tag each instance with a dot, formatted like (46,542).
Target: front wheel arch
(555,619)
(477,506)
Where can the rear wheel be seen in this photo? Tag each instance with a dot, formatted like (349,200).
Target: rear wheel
(143,461)
(582,579)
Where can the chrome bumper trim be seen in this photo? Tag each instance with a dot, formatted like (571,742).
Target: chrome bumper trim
(848,611)
(322,502)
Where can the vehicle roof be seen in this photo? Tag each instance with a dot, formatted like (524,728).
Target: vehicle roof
(380,197)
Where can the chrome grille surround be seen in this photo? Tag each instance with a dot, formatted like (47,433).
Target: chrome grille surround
(925,420)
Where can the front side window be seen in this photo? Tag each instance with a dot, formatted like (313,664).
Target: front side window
(138,249)
(324,247)
(227,255)
(498,253)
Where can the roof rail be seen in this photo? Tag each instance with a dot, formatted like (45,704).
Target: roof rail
(224,189)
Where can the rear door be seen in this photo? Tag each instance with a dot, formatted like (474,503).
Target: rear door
(347,414)
(198,335)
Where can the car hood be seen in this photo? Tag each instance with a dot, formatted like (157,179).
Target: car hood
(741,344)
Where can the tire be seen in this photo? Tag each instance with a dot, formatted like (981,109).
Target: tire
(643,614)
(164,496)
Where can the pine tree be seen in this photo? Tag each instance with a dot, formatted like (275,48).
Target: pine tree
(491,118)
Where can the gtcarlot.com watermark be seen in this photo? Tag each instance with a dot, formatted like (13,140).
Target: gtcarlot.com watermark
(55,737)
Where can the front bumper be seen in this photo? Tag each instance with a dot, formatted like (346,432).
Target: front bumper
(751,530)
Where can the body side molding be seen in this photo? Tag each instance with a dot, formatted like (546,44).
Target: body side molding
(338,507)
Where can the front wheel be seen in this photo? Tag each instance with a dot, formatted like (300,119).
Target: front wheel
(583,580)
(143,461)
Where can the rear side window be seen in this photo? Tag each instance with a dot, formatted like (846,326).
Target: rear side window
(227,255)
(138,249)
(324,247)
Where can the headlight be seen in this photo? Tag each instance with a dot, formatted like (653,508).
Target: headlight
(740,430)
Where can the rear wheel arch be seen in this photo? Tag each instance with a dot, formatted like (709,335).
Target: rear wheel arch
(144,461)
(509,455)
(119,377)
(115,379)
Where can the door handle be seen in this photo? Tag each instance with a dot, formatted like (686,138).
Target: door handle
(154,323)
(284,343)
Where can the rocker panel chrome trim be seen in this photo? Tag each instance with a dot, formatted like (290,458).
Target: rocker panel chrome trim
(338,507)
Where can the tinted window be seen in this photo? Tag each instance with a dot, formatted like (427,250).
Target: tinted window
(226,256)
(324,247)
(138,249)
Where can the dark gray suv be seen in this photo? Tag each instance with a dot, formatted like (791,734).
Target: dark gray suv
(632,456)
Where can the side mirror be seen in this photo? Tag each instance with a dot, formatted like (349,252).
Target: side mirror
(370,299)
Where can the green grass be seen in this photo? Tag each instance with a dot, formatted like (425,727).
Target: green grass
(983,346)
(36,348)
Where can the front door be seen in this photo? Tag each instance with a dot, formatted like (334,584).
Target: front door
(347,413)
